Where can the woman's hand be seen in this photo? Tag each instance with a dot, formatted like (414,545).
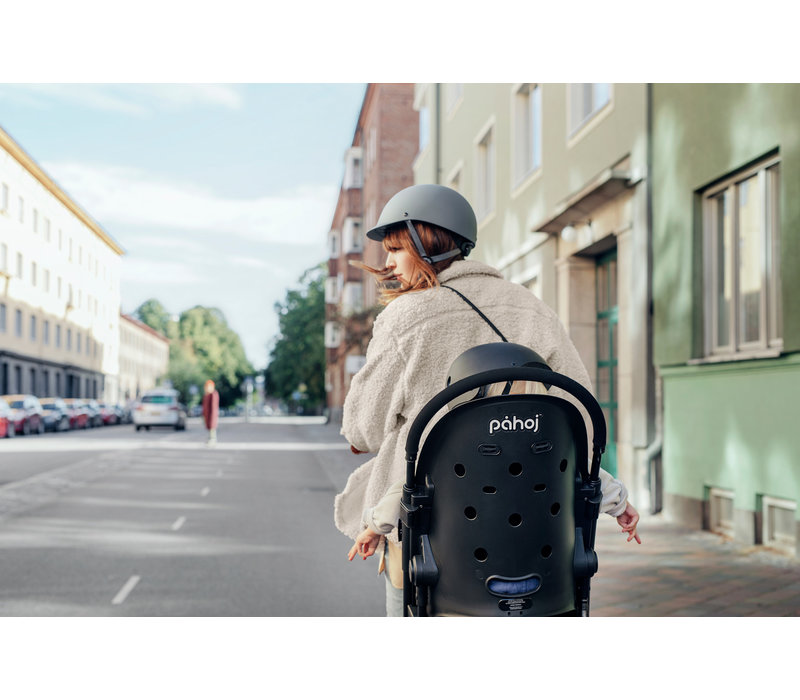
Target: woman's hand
(628,521)
(366,544)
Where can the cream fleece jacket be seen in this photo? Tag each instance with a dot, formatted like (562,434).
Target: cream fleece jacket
(415,340)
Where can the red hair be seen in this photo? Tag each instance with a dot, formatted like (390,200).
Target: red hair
(434,240)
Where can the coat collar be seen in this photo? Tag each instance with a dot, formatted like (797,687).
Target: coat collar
(467,268)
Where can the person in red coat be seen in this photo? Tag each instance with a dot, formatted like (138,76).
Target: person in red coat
(211,410)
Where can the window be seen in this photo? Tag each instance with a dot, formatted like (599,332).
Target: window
(46,332)
(424,126)
(33,327)
(47,230)
(58,335)
(333,244)
(351,235)
(353,172)
(33,273)
(69,339)
(331,290)
(18,323)
(486,175)
(3,318)
(352,298)
(36,221)
(585,100)
(333,334)
(453,94)
(78,342)
(3,257)
(22,210)
(742,266)
(4,197)
(528,131)
(47,280)
(19,265)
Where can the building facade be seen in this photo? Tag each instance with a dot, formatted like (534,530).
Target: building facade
(59,288)
(377,165)
(143,358)
(557,175)
(726,294)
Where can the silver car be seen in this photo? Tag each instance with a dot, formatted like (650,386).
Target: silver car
(159,407)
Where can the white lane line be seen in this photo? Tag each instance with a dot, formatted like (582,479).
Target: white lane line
(119,599)
(178,524)
(205,492)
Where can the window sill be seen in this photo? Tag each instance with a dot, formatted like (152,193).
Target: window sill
(768,354)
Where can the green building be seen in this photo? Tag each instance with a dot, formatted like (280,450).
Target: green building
(725,168)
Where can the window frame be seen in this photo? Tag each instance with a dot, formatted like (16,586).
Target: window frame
(770,334)
(527,129)
(486,172)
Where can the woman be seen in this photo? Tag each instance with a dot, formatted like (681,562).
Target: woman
(430,319)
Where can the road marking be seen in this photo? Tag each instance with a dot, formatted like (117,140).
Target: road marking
(178,524)
(205,492)
(125,590)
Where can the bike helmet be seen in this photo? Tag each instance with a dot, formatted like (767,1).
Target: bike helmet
(431,204)
(491,356)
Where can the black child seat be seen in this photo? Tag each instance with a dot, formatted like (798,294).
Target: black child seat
(499,512)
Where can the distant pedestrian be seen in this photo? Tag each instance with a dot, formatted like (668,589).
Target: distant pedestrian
(211,411)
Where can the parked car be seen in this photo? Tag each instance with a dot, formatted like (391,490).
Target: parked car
(78,414)
(95,419)
(159,407)
(55,413)
(27,413)
(110,414)
(7,428)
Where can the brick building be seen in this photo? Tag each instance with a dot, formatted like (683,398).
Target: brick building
(377,165)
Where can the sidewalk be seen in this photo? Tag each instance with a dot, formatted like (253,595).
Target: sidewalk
(677,572)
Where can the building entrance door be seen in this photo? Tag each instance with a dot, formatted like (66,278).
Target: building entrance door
(607,315)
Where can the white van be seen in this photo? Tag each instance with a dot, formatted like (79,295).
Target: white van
(159,407)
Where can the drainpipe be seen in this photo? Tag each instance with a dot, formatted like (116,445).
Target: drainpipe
(438,133)
(652,454)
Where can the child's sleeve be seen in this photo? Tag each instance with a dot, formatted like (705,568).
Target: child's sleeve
(615,495)
(383,517)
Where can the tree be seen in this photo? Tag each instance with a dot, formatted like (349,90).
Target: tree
(202,346)
(297,359)
(152,313)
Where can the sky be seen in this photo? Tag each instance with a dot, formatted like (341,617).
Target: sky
(220,195)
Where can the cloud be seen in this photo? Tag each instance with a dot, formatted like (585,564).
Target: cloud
(136,100)
(136,198)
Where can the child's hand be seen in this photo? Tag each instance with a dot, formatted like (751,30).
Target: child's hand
(628,521)
(366,544)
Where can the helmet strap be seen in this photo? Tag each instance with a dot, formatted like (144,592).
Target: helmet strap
(421,250)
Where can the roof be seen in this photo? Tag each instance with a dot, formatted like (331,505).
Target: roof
(144,326)
(19,154)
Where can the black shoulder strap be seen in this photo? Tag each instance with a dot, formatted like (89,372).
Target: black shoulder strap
(480,313)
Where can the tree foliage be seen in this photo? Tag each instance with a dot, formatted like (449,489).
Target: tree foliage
(202,346)
(297,359)
(152,313)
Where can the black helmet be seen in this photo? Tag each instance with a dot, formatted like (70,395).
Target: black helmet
(491,356)
(430,204)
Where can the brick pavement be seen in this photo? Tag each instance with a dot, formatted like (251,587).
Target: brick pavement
(677,572)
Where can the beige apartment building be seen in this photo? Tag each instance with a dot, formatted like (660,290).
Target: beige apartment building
(59,288)
(143,358)
(557,175)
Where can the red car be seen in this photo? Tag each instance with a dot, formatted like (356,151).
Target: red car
(28,417)
(78,414)
(6,420)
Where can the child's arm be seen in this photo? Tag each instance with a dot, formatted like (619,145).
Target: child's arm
(378,521)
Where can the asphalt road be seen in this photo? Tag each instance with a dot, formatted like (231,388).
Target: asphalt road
(111,522)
